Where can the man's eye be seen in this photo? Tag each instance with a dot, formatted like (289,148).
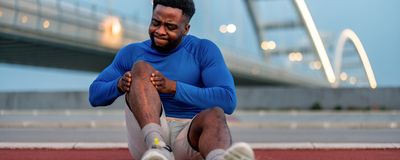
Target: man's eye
(172,27)
(155,23)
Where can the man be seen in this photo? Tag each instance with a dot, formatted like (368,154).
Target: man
(177,89)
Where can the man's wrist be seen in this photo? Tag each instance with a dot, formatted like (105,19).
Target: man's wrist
(173,87)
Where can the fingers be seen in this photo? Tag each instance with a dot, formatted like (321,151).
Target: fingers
(158,83)
(126,89)
(127,77)
(126,86)
(126,81)
(156,78)
(128,74)
(156,74)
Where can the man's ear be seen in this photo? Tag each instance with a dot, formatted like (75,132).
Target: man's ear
(187,28)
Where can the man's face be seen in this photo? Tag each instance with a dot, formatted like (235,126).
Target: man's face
(167,27)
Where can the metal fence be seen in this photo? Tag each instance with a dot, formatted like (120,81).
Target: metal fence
(70,20)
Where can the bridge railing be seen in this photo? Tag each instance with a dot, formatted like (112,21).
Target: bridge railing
(69,20)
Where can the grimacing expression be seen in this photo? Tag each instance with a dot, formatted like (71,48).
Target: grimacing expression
(167,27)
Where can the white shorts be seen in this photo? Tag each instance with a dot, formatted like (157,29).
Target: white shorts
(174,131)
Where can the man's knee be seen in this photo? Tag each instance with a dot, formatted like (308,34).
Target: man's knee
(215,114)
(215,110)
(141,69)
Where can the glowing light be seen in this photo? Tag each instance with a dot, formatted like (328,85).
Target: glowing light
(112,26)
(315,65)
(343,76)
(116,27)
(304,12)
(295,57)
(46,24)
(348,34)
(112,32)
(268,45)
(223,28)
(291,57)
(24,19)
(231,28)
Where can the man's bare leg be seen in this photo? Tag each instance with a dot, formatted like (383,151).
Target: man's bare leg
(144,101)
(209,132)
(143,98)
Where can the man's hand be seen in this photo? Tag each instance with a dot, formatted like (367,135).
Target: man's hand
(162,83)
(124,83)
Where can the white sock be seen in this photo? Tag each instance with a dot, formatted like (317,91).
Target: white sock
(216,154)
(152,135)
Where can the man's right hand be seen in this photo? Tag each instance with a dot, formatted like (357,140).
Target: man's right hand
(124,83)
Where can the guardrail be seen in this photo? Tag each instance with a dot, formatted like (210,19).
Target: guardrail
(254,98)
(70,20)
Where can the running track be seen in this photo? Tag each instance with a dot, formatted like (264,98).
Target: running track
(261,154)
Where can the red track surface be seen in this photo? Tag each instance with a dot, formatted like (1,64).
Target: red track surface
(123,154)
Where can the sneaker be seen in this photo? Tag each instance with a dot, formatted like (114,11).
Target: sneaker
(159,153)
(239,151)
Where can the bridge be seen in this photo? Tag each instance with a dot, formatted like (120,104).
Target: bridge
(82,36)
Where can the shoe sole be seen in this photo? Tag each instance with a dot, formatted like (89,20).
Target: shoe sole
(239,151)
(154,156)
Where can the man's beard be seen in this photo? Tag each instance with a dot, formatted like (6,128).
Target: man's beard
(168,47)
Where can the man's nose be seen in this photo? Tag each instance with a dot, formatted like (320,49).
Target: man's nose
(161,30)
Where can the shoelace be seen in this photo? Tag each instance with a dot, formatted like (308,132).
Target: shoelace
(166,147)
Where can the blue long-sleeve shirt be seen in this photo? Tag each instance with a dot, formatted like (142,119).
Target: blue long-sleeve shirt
(202,77)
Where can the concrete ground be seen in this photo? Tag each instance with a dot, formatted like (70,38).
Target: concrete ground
(267,127)
(59,134)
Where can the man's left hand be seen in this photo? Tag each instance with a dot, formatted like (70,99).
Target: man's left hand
(162,83)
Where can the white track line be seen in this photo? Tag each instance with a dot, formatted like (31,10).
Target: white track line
(325,145)
(305,145)
(61,145)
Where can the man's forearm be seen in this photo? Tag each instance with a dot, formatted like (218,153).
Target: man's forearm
(103,93)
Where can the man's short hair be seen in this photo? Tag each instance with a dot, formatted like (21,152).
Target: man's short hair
(187,6)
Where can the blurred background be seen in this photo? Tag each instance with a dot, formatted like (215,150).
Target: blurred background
(320,69)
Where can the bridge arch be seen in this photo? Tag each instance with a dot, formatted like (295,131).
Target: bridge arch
(349,35)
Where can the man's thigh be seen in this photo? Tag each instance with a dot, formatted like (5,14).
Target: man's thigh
(181,147)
